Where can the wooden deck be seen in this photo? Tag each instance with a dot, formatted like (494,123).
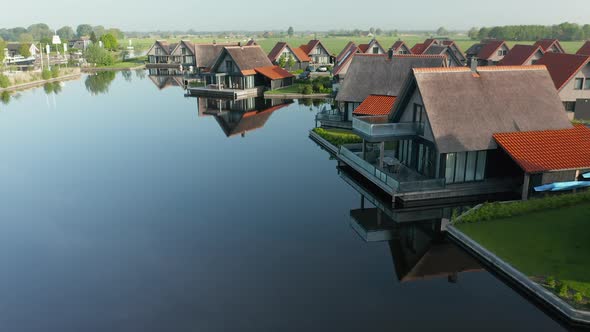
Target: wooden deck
(224,93)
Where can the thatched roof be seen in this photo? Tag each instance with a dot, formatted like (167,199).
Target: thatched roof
(207,54)
(465,109)
(246,57)
(378,75)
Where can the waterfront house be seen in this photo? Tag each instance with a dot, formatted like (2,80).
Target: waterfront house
(437,142)
(373,47)
(274,77)
(380,75)
(452,59)
(284,50)
(522,55)
(81,43)
(571,76)
(159,59)
(487,53)
(424,48)
(13,49)
(585,49)
(317,52)
(235,67)
(550,46)
(400,47)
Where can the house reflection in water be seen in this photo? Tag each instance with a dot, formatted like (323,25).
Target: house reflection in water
(166,81)
(416,240)
(237,117)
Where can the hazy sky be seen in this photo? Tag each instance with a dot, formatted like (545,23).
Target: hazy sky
(301,14)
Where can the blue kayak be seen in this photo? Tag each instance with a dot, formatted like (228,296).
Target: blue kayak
(563,186)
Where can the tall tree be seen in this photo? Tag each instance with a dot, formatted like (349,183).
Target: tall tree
(117,33)
(290,31)
(378,31)
(66,33)
(372,30)
(26,38)
(83,30)
(473,33)
(109,42)
(24,50)
(2,46)
(93,37)
(39,31)
(99,30)
(442,31)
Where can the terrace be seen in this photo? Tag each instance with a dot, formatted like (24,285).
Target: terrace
(379,129)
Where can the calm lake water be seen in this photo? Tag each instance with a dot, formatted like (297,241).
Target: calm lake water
(124,209)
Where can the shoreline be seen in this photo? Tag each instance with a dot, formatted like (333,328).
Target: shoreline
(90,70)
(38,83)
(296,96)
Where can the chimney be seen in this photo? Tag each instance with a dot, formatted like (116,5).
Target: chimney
(390,54)
(474,64)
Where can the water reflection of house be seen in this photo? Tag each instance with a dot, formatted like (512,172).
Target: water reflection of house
(238,117)
(164,81)
(415,237)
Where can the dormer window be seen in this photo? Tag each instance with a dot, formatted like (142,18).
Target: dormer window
(578,84)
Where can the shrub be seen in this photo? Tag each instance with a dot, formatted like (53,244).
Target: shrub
(338,138)
(46,74)
(307,90)
(492,211)
(4,81)
(99,56)
(563,290)
(551,282)
(578,297)
(55,71)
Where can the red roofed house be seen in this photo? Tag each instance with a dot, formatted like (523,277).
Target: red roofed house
(284,50)
(439,140)
(373,47)
(522,55)
(571,76)
(445,47)
(400,47)
(585,49)
(274,77)
(487,53)
(343,60)
(317,52)
(548,156)
(235,68)
(550,46)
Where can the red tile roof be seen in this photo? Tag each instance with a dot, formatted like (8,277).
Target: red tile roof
(398,44)
(563,67)
(489,49)
(273,72)
(375,105)
(301,54)
(585,49)
(519,55)
(364,47)
(548,150)
(276,51)
(546,44)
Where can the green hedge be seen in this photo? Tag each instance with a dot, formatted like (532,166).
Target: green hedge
(338,138)
(492,211)
(46,74)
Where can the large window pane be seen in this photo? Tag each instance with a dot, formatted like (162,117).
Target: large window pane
(420,158)
(481,165)
(450,168)
(470,172)
(460,168)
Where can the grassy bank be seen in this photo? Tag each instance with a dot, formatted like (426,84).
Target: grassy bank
(126,64)
(548,244)
(338,137)
(14,80)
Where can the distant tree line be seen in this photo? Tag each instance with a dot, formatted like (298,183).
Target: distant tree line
(43,33)
(362,33)
(564,31)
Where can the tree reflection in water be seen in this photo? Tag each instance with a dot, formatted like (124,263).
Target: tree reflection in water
(99,83)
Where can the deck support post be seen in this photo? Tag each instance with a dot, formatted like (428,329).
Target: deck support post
(525,186)
(382,154)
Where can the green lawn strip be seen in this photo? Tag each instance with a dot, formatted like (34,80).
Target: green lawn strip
(129,63)
(552,242)
(295,88)
(338,137)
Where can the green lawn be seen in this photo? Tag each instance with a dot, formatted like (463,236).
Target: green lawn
(547,243)
(295,88)
(130,63)
(336,44)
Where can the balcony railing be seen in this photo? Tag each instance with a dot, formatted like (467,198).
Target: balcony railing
(332,115)
(393,182)
(380,127)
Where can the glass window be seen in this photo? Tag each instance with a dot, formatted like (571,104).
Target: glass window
(587,86)
(471,164)
(460,168)
(579,83)
(450,168)
(420,158)
(375,50)
(481,165)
